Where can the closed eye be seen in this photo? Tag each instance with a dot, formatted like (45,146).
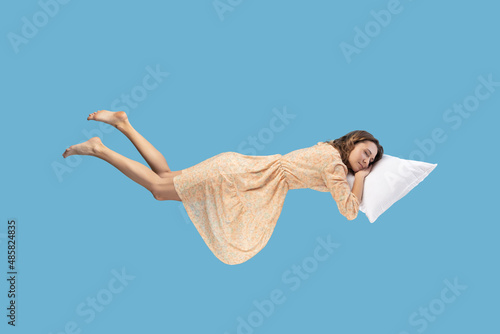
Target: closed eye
(366,152)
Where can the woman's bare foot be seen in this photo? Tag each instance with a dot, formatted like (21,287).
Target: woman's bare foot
(90,147)
(113,118)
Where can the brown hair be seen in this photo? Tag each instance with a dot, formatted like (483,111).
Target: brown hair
(346,143)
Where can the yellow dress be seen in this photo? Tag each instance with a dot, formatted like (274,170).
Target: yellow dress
(235,200)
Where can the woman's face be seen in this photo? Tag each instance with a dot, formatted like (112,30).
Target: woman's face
(362,155)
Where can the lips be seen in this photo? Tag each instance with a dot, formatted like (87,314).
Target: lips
(360,165)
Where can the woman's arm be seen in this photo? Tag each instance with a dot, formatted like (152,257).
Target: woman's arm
(335,178)
(357,187)
(359,182)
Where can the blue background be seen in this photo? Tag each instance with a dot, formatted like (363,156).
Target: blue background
(80,220)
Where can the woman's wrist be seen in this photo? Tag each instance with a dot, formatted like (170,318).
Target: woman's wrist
(360,175)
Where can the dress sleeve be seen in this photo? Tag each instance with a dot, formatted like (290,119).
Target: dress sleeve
(335,177)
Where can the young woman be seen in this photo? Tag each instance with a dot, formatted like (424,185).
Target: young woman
(234,200)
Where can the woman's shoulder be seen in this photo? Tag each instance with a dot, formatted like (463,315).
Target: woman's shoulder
(333,153)
(327,146)
(318,149)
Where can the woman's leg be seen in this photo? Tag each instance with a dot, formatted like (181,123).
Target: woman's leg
(161,188)
(120,121)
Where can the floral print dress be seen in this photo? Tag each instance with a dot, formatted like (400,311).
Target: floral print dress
(235,200)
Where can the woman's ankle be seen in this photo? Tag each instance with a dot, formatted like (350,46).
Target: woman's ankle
(124,125)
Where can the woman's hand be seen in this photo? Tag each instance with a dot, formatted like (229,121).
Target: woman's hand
(364,172)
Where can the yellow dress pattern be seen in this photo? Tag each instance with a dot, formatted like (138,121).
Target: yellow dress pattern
(235,200)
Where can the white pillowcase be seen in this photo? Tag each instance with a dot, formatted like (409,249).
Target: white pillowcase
(390,179)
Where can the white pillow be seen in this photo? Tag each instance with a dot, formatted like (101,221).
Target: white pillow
(390,179)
